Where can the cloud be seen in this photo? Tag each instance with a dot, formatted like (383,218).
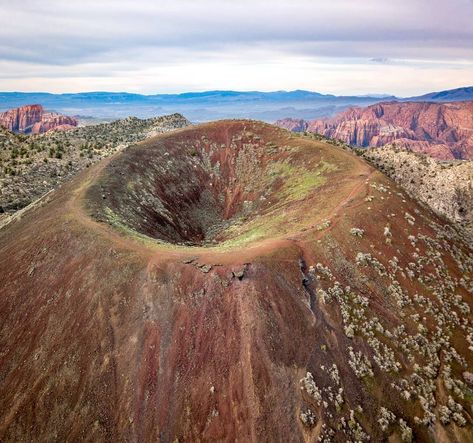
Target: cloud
(382,60)
(90,39)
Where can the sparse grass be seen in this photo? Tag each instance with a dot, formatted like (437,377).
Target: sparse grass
(298,185)
(299,182)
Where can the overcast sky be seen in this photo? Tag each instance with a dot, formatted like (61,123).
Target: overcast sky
(403,47)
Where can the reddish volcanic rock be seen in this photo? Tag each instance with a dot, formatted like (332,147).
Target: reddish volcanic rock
(33,119)
(230,282)
(442,130)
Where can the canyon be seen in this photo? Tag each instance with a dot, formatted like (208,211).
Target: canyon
(441,130)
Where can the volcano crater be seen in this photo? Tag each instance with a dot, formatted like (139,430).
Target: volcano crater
(224,183)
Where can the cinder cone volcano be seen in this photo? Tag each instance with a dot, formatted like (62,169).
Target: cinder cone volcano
(234,282)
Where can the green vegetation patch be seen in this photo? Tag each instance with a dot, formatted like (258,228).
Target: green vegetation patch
(257,229)
(298,182)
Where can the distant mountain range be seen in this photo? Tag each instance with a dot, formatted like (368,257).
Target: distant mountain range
(452,95)
(210,105)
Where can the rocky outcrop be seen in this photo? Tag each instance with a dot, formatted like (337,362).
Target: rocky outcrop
(21,119)
(54,122)
(292,124)
(32,119)
(441,130)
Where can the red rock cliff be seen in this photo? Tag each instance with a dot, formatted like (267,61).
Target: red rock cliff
(52,121)
(292,124)
(443,130)
(33,119)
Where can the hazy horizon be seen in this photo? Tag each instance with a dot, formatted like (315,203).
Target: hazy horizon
(380,94)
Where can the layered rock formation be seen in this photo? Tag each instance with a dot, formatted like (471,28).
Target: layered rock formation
(53,122)
(19,119)
(32,119)
(293,124)
(442,130)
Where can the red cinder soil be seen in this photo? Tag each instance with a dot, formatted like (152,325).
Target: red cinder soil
(180,291)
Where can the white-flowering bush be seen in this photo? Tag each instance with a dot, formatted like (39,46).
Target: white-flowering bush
(324,225)
(387,234)
(386,417)
(357,232)
(406,431)
(311,388)
(359,363)
(410,219)
(308,418)
(323,296)
(445,415)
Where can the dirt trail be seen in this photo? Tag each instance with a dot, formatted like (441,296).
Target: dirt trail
(334,217)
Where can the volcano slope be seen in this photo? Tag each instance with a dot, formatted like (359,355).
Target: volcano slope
(234,281)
